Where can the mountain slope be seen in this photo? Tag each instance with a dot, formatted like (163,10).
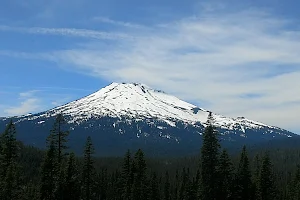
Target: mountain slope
(122,116)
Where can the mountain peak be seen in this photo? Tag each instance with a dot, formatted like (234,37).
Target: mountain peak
(138,101)
(134,100)
(126,86)
(127,114)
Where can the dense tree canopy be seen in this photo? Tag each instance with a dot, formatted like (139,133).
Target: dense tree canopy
(30,173)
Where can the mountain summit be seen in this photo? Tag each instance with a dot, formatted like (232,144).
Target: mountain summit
(131,115)
(136,101)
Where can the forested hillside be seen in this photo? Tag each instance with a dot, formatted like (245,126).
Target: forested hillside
(261,172)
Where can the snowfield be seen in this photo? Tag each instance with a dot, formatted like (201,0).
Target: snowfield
(138,101)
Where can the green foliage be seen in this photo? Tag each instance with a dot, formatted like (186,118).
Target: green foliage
(243,180)
(140,186)
(49,174)
(126,177)
(53,174)
(88,172)
(59,137)
(167,187)
(154,192)
(209,164)
(266,186)
(294,189)
(225,182)
(9,168)
(71,185)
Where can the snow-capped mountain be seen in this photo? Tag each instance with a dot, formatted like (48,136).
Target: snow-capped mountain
(136,114)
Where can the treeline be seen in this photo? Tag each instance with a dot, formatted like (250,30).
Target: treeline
(57,174)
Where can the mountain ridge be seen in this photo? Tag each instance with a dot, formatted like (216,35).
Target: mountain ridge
(189,109)
(133,114)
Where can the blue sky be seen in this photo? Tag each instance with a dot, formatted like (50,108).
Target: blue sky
(236,58)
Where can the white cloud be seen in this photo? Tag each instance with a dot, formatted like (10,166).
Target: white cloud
(28,94)
(212,58)
(117,23)
(28,104)
(244,63)
(84,33)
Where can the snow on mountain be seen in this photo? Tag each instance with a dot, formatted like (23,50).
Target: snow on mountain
(130,116)
(138,101)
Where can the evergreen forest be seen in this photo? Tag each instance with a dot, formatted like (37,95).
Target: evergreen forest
(55,173)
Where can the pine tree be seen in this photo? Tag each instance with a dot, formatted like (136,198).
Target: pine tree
(59,137)
(60,181)
(266,188)
(167,186)
(184,184)
(193,190)
(49,174)
(139,189)
(243,178)
(88,171)
(177,186)
(8,148)
(197,185)
(154,192)
(189,191)
(103,184)
(294,188)
(30,192)
(126,177)
(209,162)
(9,168)
(225,177)
(255,187)
(71,189)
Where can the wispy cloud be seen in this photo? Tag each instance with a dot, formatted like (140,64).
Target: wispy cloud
(28,94)
(84,33)
(37,100)
(215,59)
(28,103)
(211,58)
(117,23)
(27,106)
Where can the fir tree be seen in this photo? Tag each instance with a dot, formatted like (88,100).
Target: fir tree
(243,178)
(71,189)
(209,162)
(59,137)
(294,187)
(189,192)
(154,192)
(255,186)
(177,186)
(139,190)
(103,184)
(9,168)
(225,177)
(126,177)
(266,188)
(49,174)
(167,186)
(88,171)
(9,148)
(30,192)
(184,184)
(197,185)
